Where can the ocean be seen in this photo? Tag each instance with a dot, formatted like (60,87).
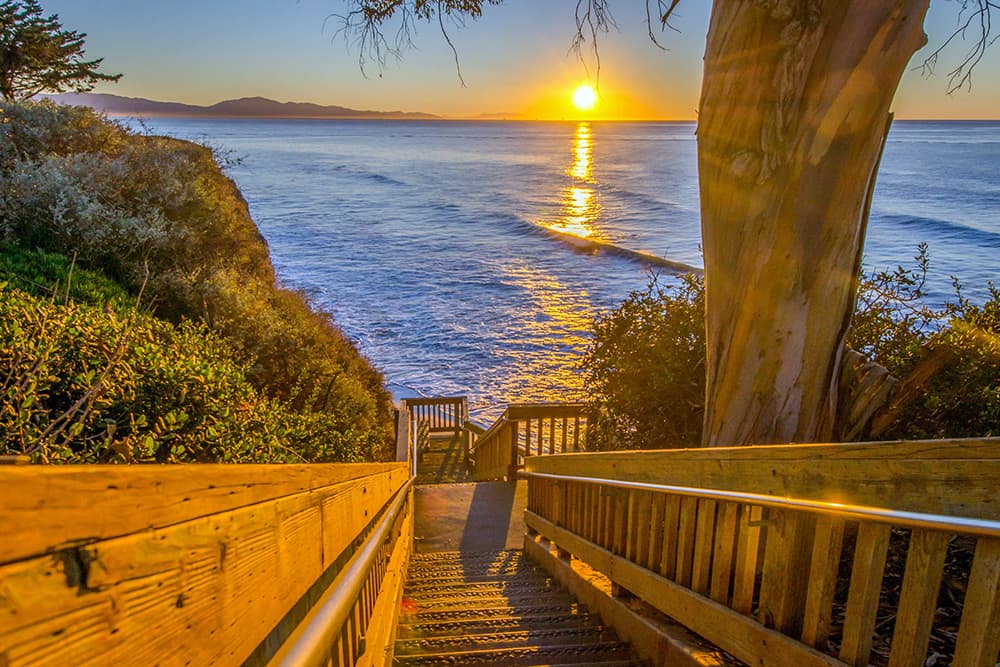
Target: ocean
(451,252)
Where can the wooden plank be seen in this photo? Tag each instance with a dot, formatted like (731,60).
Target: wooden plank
(671,525)
(739,635)
(656,521)
(979,632)
(918,599)
(644,502)
(785,574)
(618,520)
(205,591)
(955,477)
(745,570)
(823,568)
(632,523)
(704,543)
(685,540)
(87,503)
(725,552)
(862,599)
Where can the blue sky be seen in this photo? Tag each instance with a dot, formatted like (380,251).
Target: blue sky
(514,59)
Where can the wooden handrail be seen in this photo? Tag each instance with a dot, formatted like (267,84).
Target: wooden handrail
(522,430)
(128,564)
(756,571)
(322,636)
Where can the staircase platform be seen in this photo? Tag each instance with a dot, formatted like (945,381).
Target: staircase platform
(443,462)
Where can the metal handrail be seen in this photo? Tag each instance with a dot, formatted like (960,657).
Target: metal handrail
(310,643)
(981,527)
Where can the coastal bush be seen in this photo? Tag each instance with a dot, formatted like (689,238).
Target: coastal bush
(645,369)
(84,384)
(159,217)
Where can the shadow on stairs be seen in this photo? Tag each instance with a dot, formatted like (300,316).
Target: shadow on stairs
(497,608)
(444,461)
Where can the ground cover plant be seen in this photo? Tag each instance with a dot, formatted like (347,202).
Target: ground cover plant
(150,231)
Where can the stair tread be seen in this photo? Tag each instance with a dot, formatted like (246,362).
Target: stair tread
(428,615)
(421,586)
(502,623)
(507,639)
(527,655)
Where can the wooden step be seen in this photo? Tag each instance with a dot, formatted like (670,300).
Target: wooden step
(502,640)
(576,654)
(495,624)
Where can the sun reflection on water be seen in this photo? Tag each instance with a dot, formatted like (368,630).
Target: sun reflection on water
(583,149)
(580,208)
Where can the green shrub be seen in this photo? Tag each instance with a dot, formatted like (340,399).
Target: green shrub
(645,370)
(84,384)
(159,216)
(962,399)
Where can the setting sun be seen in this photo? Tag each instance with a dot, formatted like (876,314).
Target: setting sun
(584,97)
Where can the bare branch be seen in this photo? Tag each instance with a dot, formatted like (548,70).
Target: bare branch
(975,16)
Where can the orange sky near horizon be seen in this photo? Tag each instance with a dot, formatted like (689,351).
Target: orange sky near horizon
(515,60)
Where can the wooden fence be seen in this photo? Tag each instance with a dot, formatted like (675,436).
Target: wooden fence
(442,414)
(525,429)
(778,554)
(192,564)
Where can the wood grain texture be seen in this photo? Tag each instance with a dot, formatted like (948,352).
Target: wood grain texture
(862,598)
(979,632)
(739,635)
(823,567)
(202,591)
(918,599)
(48,508)
(956,477)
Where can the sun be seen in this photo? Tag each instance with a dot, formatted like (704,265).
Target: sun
(584,97)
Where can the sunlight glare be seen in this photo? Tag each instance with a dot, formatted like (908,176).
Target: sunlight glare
(584,97)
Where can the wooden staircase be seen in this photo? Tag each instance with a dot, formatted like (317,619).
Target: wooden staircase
(497,608)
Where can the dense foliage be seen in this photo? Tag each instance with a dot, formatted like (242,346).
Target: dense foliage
(159,219)
(37,55)
(645,370)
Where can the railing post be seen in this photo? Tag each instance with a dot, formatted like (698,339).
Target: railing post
(515,428)
(402,432)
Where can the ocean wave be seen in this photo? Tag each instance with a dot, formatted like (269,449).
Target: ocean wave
(364,174)
(943,229)
(594,246)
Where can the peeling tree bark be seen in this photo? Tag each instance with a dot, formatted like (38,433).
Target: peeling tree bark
(794,106)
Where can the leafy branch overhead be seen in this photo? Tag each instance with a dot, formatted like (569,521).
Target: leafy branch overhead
(37,55)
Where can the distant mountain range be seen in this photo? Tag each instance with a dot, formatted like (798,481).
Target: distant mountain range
(247,107)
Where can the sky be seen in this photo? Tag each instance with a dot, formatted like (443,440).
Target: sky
(515,60)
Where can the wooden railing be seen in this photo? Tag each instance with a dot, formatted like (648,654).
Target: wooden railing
(441,414)
(198,564)
(525,429)
(778,554)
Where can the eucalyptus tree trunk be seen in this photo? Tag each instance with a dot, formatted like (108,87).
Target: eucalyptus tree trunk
(793,113)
